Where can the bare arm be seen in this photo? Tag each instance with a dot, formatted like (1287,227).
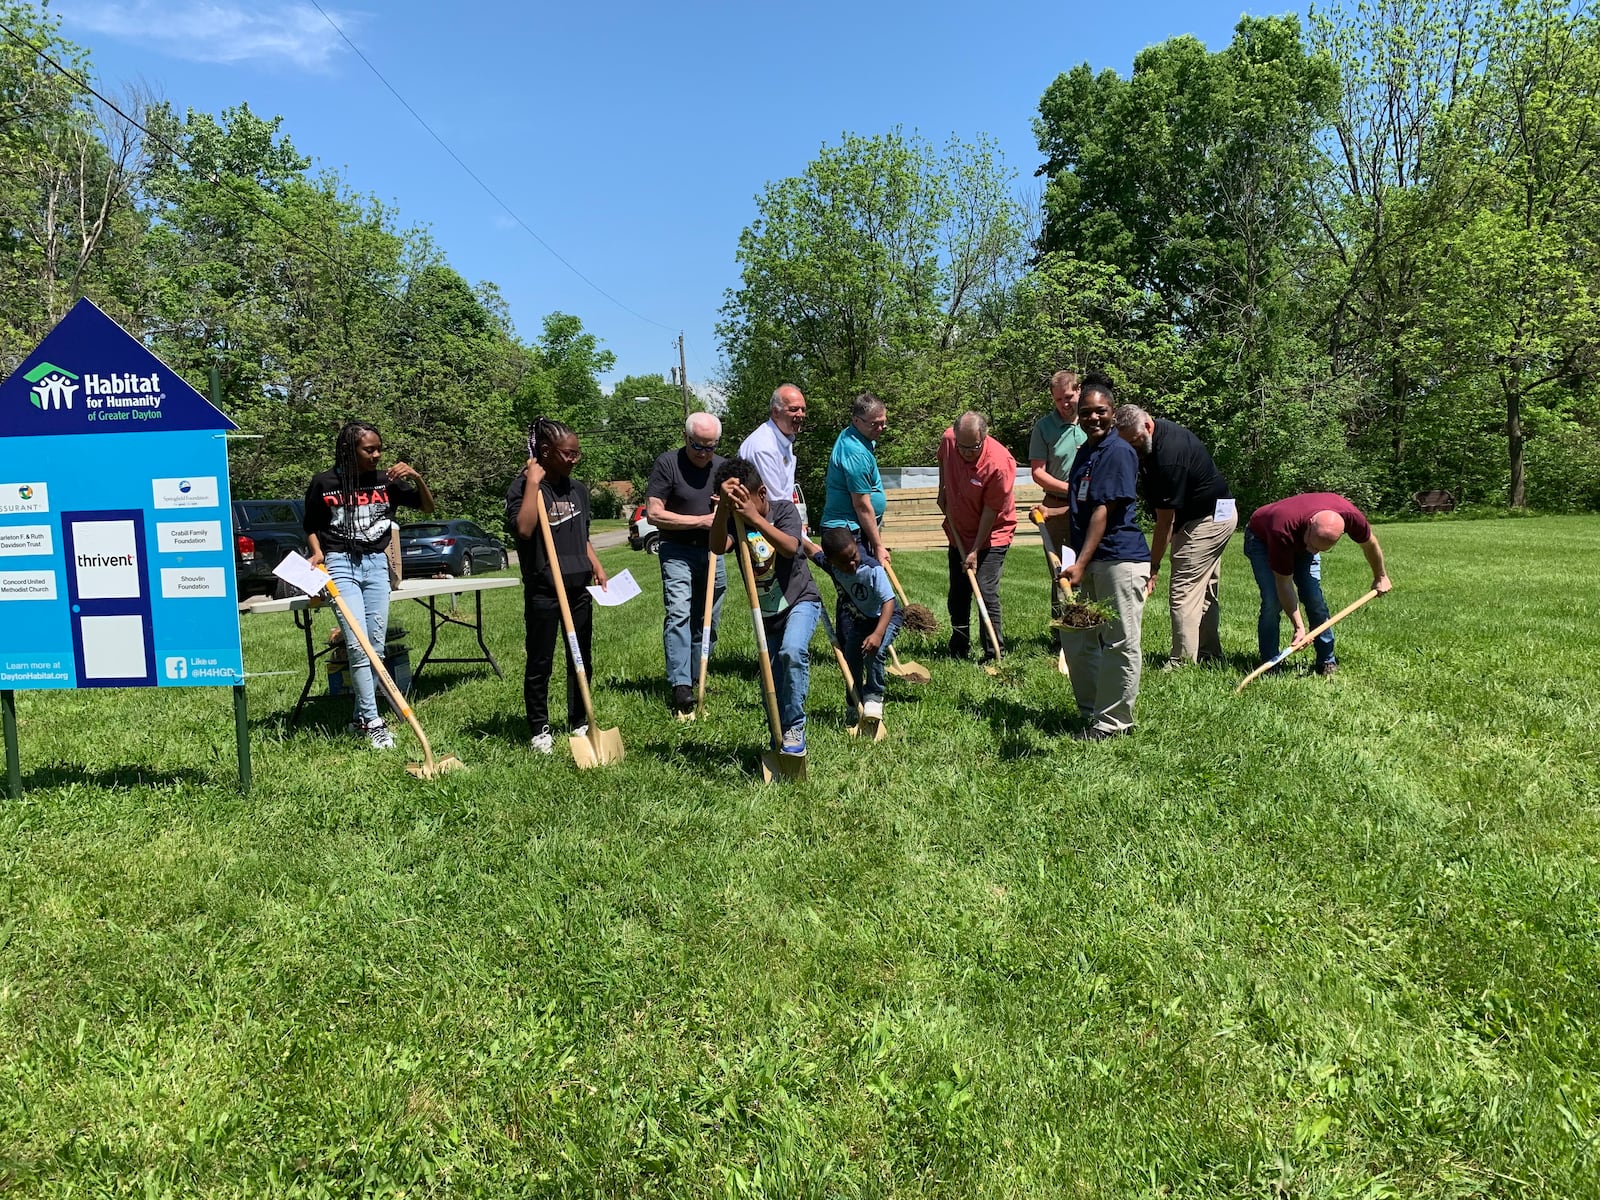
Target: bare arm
(402,470)
(1051,485)
(1289,601)
(868,520)
(1099,519)
(986,520)
(528,512)
(594,565)
(1374,555)
(315,544)
(873,640)
(1158,543)
(663,518)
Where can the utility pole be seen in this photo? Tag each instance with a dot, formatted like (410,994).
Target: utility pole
(683,378)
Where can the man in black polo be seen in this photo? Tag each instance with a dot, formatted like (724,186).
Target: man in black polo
(1196,514)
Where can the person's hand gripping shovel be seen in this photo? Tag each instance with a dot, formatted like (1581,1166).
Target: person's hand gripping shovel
(875,729)
(774,763)
(719,537)
(1301,644)
(312,581)
(598,746)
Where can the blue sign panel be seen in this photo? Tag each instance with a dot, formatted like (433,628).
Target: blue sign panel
(116,531)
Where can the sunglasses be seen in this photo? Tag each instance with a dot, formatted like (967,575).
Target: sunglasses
(966,449)
(703,447)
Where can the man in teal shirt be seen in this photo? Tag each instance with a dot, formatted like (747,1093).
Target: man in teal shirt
(1051,447)
(855,499)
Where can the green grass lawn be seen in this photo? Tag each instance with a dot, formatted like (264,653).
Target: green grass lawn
(1329,938)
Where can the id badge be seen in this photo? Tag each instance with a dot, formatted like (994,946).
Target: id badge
(1227,509)
(1083,490)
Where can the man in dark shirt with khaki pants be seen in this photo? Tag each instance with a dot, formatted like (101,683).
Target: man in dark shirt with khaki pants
(1196,515)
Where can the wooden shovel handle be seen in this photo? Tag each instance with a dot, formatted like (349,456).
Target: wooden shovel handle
(720,521)
(566,612)
(898,590)
(769,689)
(1326,625)
(977,596)
(382,672)
(844,663)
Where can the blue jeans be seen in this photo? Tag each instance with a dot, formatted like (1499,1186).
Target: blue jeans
(852,630)
(1307,581)
(790,647)
(683,595)
(363,581)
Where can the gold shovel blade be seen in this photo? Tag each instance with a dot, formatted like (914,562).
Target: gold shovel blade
(435,767)
(599,748)
(873,730)
(911,672)
(782,766)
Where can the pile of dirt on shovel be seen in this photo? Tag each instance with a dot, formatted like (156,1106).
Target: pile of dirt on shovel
(1079,615)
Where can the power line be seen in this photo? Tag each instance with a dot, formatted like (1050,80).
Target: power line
(473,175)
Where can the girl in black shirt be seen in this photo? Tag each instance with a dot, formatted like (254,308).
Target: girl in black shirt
(553,452)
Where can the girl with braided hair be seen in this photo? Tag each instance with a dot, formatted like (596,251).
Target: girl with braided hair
(553,452)
(348,522)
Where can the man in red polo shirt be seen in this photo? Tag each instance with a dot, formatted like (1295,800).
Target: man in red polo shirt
(1284,542)
(977,478)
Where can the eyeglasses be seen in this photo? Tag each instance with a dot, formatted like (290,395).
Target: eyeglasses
(966,449)
(703,447)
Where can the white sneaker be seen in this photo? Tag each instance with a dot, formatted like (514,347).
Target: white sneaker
(543,742)
(872,709)
(581,731)
(378,735)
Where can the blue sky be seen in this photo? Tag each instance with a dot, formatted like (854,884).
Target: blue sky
(632,137)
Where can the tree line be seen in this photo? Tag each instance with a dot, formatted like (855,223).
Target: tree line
(212,238)
(1357,253)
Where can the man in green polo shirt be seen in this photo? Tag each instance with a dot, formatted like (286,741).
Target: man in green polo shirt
(855,499)
(1051,447)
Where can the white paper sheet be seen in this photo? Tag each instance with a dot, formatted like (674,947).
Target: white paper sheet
(619,590)
(1226,509)
(299,571)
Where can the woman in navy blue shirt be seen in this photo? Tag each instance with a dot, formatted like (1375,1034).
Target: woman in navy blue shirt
(1112,567)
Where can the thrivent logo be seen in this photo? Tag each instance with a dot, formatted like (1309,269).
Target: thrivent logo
(51,386)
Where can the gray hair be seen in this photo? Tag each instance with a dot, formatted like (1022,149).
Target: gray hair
(703,418)
(778,403)
(864,406)
(1130,416)
(974,419)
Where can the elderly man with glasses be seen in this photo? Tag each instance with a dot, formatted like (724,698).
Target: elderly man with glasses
(855,498)
(681,502)
(977,484)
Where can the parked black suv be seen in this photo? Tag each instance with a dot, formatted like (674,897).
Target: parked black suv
(263,532)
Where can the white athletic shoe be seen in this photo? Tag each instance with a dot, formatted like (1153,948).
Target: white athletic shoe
(581,731)
(378,735)
(872,709)
(543,742)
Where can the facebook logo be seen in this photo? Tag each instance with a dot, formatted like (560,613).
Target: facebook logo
(177,668)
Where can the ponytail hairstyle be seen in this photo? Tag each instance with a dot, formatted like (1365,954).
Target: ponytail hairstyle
(545,432)
(344,456)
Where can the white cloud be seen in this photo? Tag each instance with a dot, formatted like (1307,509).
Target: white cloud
(216,31)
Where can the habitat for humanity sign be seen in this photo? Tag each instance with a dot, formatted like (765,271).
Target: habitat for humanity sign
(116,548)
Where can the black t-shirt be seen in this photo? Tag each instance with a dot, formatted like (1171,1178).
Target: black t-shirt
(685,489)
(359,519)
(1179,474)
(567,502)
(781,582)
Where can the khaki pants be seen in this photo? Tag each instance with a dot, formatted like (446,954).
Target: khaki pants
(1104,662)
(1192,598)
(1059,529)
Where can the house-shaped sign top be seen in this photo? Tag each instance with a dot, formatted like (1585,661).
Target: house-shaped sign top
(90,376)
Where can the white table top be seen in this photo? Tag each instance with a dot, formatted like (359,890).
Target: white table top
(409,589)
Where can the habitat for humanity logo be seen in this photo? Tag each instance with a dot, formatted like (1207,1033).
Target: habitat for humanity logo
(51,388)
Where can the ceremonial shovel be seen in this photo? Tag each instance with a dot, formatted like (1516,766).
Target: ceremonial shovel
(977,598)
(922,621)
(719,528)
(1328,624)
(878,733)
(1036,515)
(598,746)
(774,763)
(298,571)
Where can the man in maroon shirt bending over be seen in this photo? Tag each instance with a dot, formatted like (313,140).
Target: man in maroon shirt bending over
(1284,543)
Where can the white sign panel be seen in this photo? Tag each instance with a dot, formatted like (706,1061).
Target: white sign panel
(183,583)
(27,585)
(105,560)
(24,497)
(19,540)
(113,647)
(194,491)
(179,538)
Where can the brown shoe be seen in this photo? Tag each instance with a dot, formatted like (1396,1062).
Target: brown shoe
(1327,668)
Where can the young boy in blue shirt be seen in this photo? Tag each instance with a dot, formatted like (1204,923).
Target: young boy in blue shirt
(866,615)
